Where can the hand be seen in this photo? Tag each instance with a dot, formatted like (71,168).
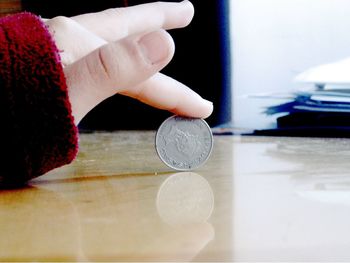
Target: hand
(122,50)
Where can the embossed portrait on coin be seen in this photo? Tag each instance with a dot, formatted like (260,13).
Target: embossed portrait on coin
(184,142)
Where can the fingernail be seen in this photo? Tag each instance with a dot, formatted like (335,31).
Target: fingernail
(155,46)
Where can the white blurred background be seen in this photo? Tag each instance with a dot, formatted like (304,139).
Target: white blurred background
(273,41)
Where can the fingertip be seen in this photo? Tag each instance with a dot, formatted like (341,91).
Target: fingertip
(208,108)
(203,109)
(188,12)
(200,109)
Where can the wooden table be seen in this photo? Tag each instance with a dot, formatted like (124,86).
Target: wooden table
(256,199)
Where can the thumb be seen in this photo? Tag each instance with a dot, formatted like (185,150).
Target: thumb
(116,67)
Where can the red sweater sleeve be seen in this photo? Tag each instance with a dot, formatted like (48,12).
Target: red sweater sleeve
(37,127)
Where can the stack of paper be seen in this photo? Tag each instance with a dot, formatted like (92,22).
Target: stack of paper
(321,110)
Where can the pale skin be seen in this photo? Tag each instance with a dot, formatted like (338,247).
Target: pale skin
(122,50)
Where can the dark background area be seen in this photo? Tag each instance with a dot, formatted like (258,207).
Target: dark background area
(201,62)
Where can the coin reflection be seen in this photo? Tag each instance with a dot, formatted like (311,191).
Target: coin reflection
(185,198)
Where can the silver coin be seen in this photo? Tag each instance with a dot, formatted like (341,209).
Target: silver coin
(184,143)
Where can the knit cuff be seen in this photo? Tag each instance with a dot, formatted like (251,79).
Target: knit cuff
(38,129)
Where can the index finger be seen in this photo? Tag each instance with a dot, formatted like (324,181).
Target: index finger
(166,93)
(116,23)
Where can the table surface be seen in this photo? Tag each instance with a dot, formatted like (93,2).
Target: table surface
(256,199)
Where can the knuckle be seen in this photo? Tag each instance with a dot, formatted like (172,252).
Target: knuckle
(61,21)
(114,11)
(106,65)
(120,65)
(135,55)
(103,61)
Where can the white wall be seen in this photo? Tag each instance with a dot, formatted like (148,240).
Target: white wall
(273,40)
